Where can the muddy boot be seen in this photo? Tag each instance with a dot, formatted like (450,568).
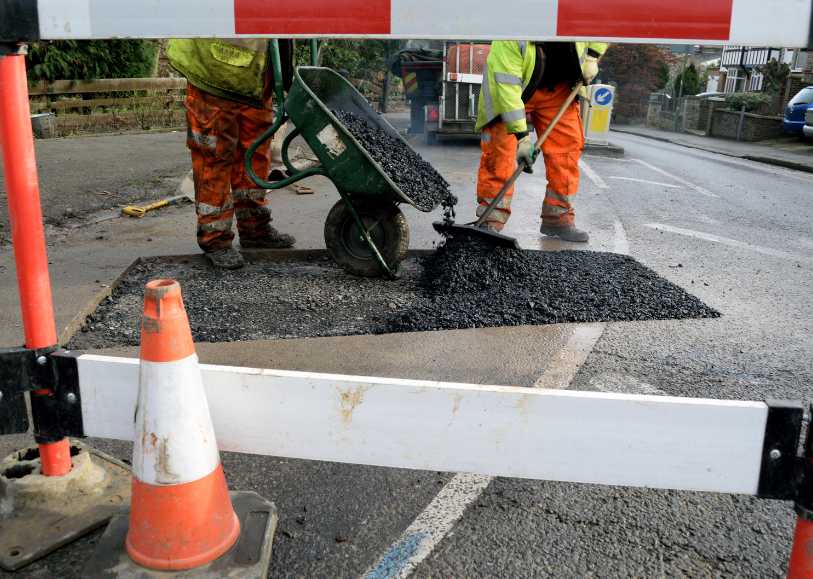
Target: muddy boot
(271,240)
(565,233)
(228,258)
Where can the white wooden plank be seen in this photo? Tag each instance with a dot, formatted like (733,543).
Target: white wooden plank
(587,437)
(771,22)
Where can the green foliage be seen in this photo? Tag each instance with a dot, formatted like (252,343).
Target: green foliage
(687,83)
(663,75)
(775,75)
(752,101)
(91,59)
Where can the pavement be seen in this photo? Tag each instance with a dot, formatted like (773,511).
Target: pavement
(790,151)
(81,176)
(734,232)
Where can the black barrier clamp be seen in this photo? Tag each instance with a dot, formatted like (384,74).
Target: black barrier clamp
(52,377)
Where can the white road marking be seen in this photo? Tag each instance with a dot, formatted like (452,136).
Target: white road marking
(592,175)
(680,180)
(561,371)
(726,241)
(620,242)
(430,527)
(645,181)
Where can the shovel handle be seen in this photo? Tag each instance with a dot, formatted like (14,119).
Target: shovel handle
(538,147)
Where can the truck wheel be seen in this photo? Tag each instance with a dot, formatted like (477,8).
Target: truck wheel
(388,229)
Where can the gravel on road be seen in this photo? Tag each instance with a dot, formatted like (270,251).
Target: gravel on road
(416,178)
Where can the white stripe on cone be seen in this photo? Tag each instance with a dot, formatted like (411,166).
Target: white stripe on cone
(175,442)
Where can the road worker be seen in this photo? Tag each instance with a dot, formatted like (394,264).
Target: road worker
(228,105)
(534,80)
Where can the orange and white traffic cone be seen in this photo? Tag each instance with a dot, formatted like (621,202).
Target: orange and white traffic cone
(181,515)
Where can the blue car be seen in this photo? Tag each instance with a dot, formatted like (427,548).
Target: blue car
(797,108)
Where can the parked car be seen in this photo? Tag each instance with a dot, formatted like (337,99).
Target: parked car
(711,94)
(795,112)
(808,128)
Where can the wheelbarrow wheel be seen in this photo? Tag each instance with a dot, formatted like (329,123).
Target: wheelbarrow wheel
(388,229)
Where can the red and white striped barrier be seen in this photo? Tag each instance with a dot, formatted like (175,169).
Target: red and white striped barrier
(751,22)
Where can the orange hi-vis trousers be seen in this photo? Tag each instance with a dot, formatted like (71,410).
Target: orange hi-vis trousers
(561,152)
(219,131)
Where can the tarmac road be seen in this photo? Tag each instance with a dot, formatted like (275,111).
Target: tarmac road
(737,234)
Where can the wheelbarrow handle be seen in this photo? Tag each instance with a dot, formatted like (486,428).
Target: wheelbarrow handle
(537,148)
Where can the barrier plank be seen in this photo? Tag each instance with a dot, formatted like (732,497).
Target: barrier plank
(585,437)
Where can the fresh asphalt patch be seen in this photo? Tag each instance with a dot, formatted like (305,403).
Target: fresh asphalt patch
(462,285)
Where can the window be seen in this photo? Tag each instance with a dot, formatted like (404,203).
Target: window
(803,97)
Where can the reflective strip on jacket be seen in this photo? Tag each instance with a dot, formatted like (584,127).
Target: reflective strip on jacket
(509,69)
(234,69)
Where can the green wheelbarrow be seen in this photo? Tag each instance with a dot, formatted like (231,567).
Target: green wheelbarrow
(365,232)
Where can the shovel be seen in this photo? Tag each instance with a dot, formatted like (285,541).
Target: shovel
(477,229)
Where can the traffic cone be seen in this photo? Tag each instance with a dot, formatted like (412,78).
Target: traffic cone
(182,517)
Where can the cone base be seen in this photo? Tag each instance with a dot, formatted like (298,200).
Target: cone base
(181,526)
(249,558)
(49,512)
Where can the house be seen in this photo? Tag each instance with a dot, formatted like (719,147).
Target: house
(739,65)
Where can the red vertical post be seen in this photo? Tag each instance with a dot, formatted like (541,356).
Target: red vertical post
(27,231)
(801,557)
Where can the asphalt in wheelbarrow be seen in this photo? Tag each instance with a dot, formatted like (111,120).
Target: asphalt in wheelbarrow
(462,285)
(414,176)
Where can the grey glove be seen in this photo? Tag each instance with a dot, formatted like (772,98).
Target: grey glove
(526,153)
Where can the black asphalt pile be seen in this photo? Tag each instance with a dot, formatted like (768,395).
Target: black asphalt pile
(413,175)
(462,285)
(470,284)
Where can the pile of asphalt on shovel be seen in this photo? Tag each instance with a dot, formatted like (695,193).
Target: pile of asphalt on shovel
(465,283)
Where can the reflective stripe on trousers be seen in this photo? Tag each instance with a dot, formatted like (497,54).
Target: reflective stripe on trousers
(219,133)
(561,154)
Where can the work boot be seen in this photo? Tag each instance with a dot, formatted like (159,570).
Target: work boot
(565,232)
(228,258)
(273,239)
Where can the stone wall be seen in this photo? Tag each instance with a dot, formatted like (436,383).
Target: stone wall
(755,127)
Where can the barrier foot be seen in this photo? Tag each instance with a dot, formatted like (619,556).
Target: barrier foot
(249,558)
(39,514)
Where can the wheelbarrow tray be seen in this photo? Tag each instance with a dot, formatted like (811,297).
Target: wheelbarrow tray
(315,93)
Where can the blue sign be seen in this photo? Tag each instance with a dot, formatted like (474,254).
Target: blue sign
(603,97)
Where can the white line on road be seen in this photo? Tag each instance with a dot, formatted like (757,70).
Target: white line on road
(645,181)
(620,242)
(592,175)
(726,241)
(560,373)
(696,188)
(431,525)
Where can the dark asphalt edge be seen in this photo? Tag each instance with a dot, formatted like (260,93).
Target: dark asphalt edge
(801,167)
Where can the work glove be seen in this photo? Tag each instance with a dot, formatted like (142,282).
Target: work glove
(526,153)
(589,69)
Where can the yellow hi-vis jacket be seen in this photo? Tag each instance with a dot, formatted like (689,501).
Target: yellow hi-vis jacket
(509,69)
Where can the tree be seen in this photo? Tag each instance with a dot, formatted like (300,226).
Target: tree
(775,75)
(637,70)
(91,59)
(688,82)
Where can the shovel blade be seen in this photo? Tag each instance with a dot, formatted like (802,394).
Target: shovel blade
(481,233)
